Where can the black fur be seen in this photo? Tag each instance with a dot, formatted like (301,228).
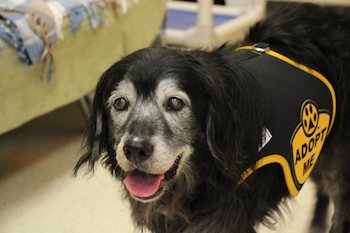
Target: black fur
(229,115)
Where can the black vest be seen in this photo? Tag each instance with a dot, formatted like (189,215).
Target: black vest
(302,108)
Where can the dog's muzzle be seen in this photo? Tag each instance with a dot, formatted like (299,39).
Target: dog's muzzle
(140,184)
(147,187)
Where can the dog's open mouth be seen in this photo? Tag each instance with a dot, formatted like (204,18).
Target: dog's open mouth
(146,186)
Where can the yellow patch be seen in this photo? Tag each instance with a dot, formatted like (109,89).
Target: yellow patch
(308,139)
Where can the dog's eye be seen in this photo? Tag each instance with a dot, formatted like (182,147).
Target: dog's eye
(120,104)
(174,104)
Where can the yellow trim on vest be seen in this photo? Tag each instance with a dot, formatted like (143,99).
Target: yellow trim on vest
(276,158)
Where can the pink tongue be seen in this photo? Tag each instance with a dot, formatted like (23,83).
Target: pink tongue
(142,185)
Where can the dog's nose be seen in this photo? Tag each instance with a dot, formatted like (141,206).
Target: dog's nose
(137,149)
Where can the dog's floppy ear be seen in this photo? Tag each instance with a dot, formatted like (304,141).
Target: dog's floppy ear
(234,113)
(97,140)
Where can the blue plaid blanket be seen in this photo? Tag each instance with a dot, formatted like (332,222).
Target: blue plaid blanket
(33,26)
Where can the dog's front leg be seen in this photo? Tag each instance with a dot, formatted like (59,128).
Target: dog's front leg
(335,183)
(341,228)
(319,222)
(341,217)
(340,195)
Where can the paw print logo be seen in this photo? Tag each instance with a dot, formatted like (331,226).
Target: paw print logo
(309,117)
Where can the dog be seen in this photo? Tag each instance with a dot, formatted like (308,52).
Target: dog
(182,130)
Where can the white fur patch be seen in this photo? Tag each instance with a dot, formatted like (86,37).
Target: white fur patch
(169,88)
(123,162)
(124,89)
(166,89)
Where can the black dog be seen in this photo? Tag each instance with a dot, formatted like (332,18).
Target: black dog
(183,130)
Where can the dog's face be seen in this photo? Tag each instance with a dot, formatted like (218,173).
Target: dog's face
(161,115)
(144,117)
(152,130)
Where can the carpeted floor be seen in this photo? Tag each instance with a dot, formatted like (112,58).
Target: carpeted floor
(38,193)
